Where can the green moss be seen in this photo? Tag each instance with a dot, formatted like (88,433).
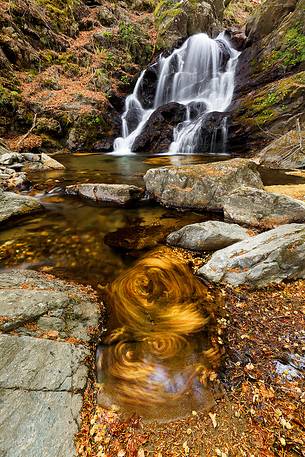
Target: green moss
(272,101)
(8,98)
(167,10)
(292,51)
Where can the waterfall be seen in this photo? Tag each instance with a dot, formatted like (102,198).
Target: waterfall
(198,75)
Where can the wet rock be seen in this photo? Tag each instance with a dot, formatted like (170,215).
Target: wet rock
(258,208)
(14,205)
(147,90)
(285,152)
(11,179)
(267,258)
(40,384)
(237,37)
(207,236)
(211,133)
(44,163)
(118,194)
(157,134)
(51,305)
(144,236)
(200,186)
(179,21)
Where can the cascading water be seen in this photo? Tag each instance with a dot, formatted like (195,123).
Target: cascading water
(198,75)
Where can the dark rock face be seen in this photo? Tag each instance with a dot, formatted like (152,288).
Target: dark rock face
(268,18)
(211,135)
(147,91)
(157,134)
(270,76)
(275,45)
(237,37)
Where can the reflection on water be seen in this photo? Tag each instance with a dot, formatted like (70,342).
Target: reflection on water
(68,239)
(160,353)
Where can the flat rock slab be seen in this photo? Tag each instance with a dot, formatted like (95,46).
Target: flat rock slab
(14,205)
(50,305)
(258,208)
(264,259)
(39,364)
(201,186)
(40,394)
(117,194)
(207,236)
(42,379)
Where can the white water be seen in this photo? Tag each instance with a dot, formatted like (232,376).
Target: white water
(193,75)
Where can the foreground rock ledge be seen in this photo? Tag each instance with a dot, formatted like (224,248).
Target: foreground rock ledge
(42,379)
(118,194)
(201,186)
(207,236)
(14,205)
(264,259)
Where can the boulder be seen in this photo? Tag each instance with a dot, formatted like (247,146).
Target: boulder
(157,134)
(117,194)
(23,364)
(264,259)
(44,163)
(178,20)
(52,305)
(11,179)
(14,205)
(285,152)
(207,236)
(258,208)
(40,392)
(201,186)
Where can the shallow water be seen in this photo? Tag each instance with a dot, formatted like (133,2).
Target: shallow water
(68,238)
(78,240)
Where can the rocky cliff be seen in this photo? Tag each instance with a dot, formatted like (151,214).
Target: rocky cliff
(66,66)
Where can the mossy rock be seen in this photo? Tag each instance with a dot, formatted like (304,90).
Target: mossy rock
(273,108)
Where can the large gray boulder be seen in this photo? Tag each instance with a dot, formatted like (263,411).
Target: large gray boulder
(41,384)
(201,186)
(207,236)
(261,260)
(14,205)
(117,194)
(51,305)
(258,208)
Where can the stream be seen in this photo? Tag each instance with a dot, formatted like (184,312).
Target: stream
(156,371)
